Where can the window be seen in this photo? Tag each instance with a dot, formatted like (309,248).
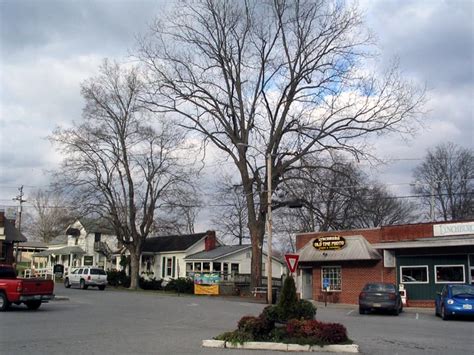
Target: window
(3,251)
(449,273)
(169,267)
(216,267)
(96,237)
(197,267)
(79,272)
(206,267)
(189,267)
(332,275)
(234,268)
(263,267)
(98,272)
(414,274)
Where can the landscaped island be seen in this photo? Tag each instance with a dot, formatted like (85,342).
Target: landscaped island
(291,321)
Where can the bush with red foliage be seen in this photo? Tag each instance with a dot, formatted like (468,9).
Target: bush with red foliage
(328,333)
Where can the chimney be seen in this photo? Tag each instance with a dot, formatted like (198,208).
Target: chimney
(210,241)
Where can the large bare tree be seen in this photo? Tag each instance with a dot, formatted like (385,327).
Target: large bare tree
(445,180)
(117,164)
(275,80)
(50,215)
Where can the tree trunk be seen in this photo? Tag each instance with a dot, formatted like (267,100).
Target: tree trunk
(134,266)
(256,237)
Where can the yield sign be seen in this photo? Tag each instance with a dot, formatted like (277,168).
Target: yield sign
(292,261)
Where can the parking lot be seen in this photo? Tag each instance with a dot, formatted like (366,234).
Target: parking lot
(126,322)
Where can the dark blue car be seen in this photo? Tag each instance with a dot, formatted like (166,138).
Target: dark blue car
(455,300)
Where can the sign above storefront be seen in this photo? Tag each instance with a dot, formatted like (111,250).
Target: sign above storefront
(440,230)
(333,242)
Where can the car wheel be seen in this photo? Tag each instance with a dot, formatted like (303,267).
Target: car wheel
(102,288)
(33,305)
(4,304)
(396,311)
(82,285)
(444,315)
(67,284)
(362,310)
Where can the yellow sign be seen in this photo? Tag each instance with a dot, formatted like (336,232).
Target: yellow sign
(334,242)
(206,289)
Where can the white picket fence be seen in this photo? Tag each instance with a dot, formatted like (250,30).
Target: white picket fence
(45,273)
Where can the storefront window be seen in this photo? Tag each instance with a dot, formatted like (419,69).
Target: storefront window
(331,275)
(449,273)
(216,267)
(206,267)
(234,268)
(3,251)
(197,267)
(414,274)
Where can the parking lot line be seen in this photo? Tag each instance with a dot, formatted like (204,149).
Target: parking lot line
(349,312)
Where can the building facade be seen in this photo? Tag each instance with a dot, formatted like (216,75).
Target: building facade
(420,258)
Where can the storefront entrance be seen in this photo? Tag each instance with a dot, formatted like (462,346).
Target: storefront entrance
(307,284)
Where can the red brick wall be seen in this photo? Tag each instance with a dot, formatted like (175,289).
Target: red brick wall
(354,277)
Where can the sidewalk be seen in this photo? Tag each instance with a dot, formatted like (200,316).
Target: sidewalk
(354,306)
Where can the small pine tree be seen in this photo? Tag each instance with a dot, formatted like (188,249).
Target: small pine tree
(288,298)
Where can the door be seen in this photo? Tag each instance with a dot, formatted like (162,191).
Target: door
(307,280)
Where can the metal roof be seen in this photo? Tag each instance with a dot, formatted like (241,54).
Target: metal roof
(171,243)
(434,242)
(356,248)
(61,251)
(218,252)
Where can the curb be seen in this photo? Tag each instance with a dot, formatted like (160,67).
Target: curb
(256,345)
(60,298)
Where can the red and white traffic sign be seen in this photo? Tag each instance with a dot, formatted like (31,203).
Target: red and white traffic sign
(292,261)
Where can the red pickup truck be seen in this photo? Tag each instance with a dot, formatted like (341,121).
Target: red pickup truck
(31,292)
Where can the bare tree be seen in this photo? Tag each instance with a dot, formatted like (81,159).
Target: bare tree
(116,163)
(50,215)
(274,80)
(445,180)
(231,213)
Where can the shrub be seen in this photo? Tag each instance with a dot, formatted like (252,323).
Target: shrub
(288,302)
(271,314)
(181,285)
(304,310)
(332,333)
(235,337)
(316,332)
(259,327)
(152,284)
(118,278)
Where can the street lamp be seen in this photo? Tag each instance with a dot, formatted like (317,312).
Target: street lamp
(291,204)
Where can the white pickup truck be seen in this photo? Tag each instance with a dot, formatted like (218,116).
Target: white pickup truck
(86,276)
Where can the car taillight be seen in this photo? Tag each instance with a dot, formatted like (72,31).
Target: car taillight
(392,296)
(19,286)
(89,277)
(362,295)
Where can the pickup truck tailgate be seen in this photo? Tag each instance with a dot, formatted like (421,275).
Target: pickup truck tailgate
(37,287)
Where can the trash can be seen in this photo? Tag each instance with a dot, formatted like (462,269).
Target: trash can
(58,270)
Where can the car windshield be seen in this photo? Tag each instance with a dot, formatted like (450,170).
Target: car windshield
(97,272)
(462,290)
(379,288)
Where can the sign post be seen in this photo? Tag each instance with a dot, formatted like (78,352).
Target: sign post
(292,261)
(326,288)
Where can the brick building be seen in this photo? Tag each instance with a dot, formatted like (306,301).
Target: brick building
(420,257)
(9,236)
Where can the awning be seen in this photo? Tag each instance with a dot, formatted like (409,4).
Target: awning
(355,248)
(60,251)
(434,242)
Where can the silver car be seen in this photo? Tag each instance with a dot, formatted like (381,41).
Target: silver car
(85,277)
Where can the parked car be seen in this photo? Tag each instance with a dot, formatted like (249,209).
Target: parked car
(85,277)
(31,292)
(380,296)
(455,300)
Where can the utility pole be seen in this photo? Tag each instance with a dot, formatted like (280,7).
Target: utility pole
(269,226)
(20,199)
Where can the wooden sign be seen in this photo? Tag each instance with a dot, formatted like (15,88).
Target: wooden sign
(334,242)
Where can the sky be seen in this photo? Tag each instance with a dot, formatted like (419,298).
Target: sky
(48,47)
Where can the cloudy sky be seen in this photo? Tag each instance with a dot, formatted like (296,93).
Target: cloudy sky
(48,47)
